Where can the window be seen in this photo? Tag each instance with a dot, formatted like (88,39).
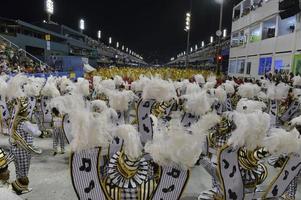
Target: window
(236,12)
(279,65)
(246,7)
(255,34)
(232,66)
(268,29)
(286,26)
(238,39)
(265,65)
(249,64)
(240,66)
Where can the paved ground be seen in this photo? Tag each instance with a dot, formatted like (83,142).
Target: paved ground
(50,177)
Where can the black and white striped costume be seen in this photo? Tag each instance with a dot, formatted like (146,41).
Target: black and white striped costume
(22,157)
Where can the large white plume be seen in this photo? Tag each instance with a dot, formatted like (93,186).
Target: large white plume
(283,142)
(251,129)
(297,81)
(198,103)
(248,106)
(120,100)
(34,86)
(248,90)
(160,90)
(278,92)
(174,145)
(139,84)
(199,78)
(207,122)
(83,87)
(14,86)
(132,143)
(50,89)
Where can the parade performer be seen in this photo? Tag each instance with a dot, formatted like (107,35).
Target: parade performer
(22,147)
(58,132)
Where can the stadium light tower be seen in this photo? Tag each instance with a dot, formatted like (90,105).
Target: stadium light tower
(117,45)
(187,29)
(110,40)
(99,35)
(203,43)
(211,39)
(49,6)
(82,25)
(122,48)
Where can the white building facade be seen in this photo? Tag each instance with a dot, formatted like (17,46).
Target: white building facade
(262,41)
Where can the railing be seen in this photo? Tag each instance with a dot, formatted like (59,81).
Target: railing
(12,45)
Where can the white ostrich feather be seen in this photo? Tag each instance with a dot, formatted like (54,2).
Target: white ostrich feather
(98,105)
(248,90)
(283,142)
(132,143)
(262,96)
(96,81)
(120,100)
(139,85)
(229,88)
(207,122)
(160,90)
(248,106)
(89,130)
(278,92)
(173,145)
(68,103)
(14,86)
(220,94)
(3,88)
(296,121)
(199,78)
(210,85)
(251,129)
(50,89)
(34,86)
(211,78)
(83,87)
(297,81)
(118,80)
(198,103)
(192,88)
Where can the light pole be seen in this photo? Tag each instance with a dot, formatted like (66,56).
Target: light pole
(99,35)
(187,29)
(219,33)
(81,25)
(49,6)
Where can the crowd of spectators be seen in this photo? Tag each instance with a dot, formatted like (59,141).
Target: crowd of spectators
(14,60)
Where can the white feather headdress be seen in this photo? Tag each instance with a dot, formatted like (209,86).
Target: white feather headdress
(118,80)
(82,87)
(14,86)
(251,129)
(120,100)
(248,90)
(132,143)
(283,142)
(297,81)
(50,89)
(160,90)
(199,78)
(173,145)
(278,92)
(139,85)
(34,86)
(248,106)
(198,103)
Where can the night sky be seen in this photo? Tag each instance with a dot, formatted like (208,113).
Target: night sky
(152,28)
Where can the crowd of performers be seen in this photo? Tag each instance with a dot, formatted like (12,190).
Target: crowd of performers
(148,135)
